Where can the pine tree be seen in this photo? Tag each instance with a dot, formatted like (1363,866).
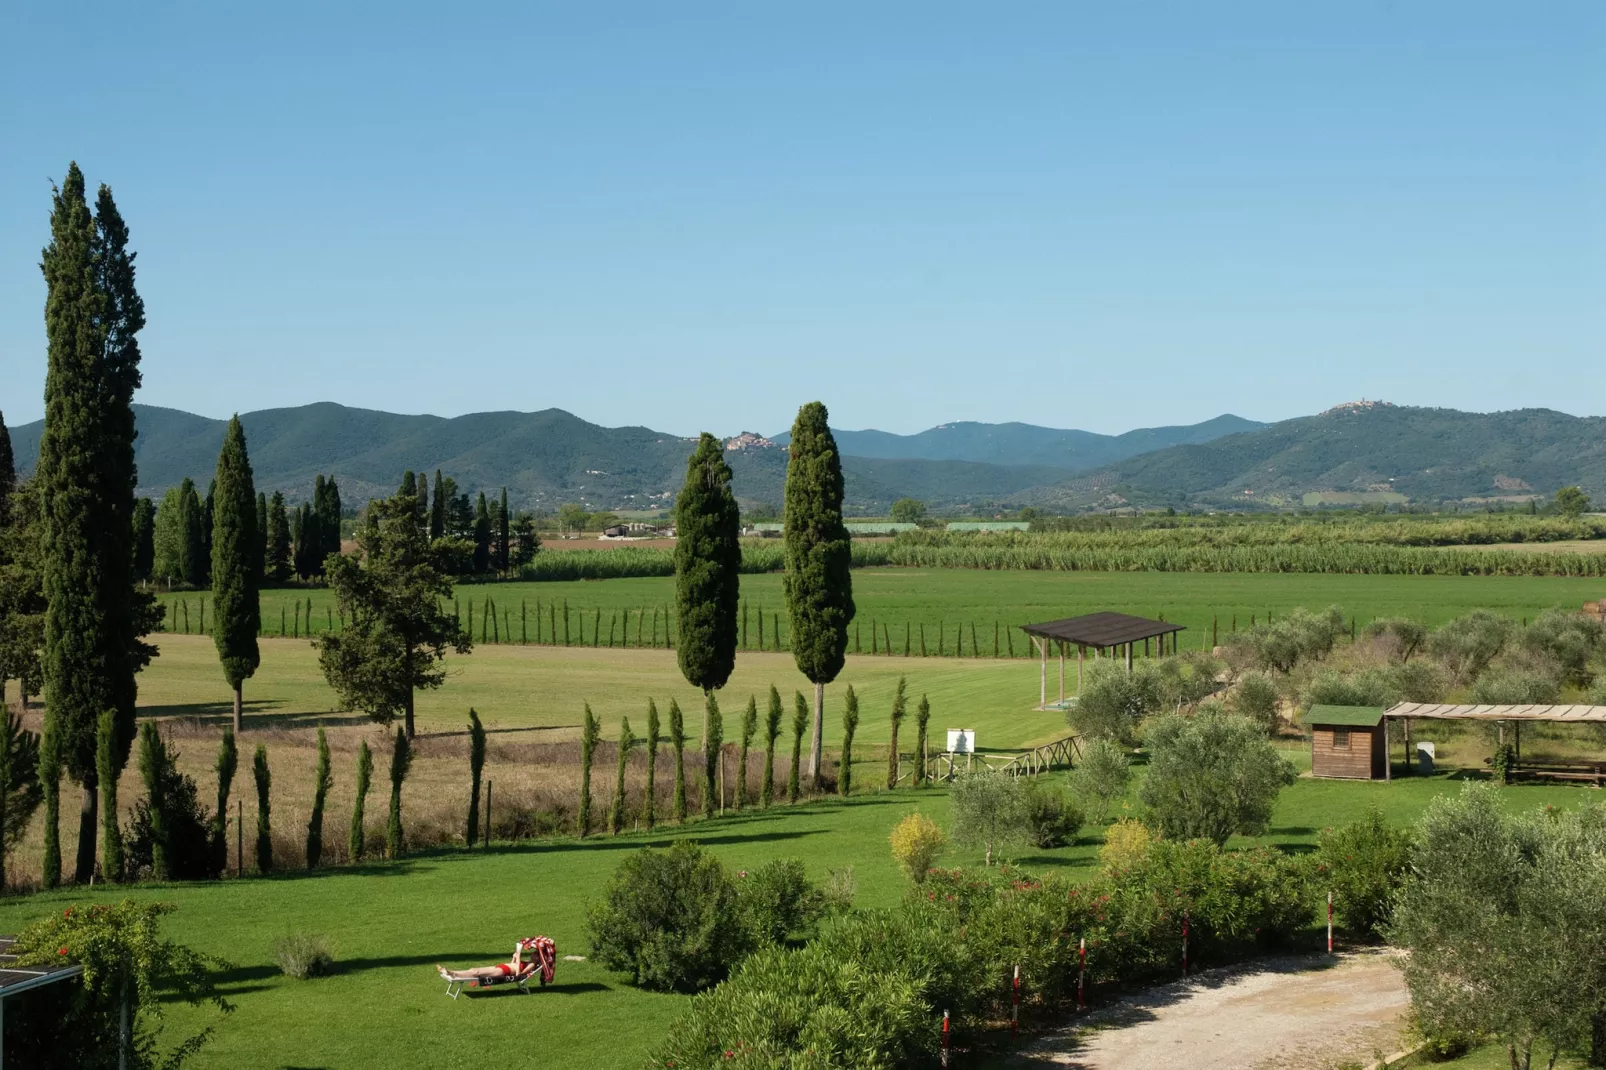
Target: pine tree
(749,729)
(922,719)
(899,704)
(677,740)
(323,780)
(356,837)
(707,562)
(94,619)
(391,594)
(228,760)
(401,760)
(111,836)
(482,537)
(817,581)
(850,725)
(772,729)
(264,783)
(504,548)
(278,540)
(437,509)
(713,751)
(800,724)
(235,568)
(590,734)
(476,766)
(650,803)
(144,538)
(616,812)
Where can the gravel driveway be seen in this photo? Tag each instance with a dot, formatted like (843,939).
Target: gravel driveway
(1306,1013)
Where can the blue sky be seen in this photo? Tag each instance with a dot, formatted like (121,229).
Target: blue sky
(698,215)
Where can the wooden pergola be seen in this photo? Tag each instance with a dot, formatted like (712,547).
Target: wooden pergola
(1099,632)
(1515,714)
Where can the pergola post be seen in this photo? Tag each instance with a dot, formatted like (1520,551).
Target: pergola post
(1388,752)
(1129,659)
(1081,652)
(1062,674)
(1042,699)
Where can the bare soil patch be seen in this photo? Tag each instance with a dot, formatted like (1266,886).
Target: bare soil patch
(1300,1013)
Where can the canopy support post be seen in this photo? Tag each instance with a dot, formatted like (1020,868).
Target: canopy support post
(1062,674)
(1042,696)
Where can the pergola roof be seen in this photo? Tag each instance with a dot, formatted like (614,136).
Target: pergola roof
(1101,630)
(1446,711)
(15,979)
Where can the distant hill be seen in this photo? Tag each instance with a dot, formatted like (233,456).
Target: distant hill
(1365,449)
(1028,444)
(544,459)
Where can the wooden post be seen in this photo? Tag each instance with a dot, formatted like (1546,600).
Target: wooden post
(1129,658)
(1081,652)
(1388,754)
(1081,974)
(1062,674)
(487,812)
(1042,699)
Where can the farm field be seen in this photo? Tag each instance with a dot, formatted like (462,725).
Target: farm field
(943,600)
(392,922)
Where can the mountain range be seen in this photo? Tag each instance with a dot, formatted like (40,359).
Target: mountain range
(1357,452)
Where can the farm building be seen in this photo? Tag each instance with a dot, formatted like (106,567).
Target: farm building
(1348,742)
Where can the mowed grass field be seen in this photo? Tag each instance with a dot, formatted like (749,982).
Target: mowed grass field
(944,600)
(391,922)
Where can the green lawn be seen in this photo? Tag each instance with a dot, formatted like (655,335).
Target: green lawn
(943,600)
(390,923)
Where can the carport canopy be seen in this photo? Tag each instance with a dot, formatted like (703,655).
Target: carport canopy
(1101,631)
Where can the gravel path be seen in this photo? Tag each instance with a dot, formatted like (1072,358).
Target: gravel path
(1306,1013)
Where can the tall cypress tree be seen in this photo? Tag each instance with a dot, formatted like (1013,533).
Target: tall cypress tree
(260,566)
(800,724)
(650,803)
(899,705)
(317,539)
(437,509)
(8,471)
(476,766)
(616,811)
(144,538)
(818,585)
(503,547)
(772,729)
(228,759)
(677,740)
(850,725)
(482,536)
(264,782)
(94,619)
(277,566)
(209,510)
(234,567)
(192,548)
(328,510)
(409,484)
(401,760)
(749,728)
(708,561)
(322,781)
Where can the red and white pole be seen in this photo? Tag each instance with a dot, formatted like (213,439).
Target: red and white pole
(1081,974)
(1329,921)
(945,1040)
(1184,943)
(1014,1007)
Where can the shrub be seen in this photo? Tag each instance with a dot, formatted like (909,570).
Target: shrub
(916,843)
(1211,776)
(990,812)
(777,901)
(304,955)
(1362,864)
(669,918)
(838,891)
(1054,820)
(1257,698)
(171,832)
(1126,844)
(1102,776)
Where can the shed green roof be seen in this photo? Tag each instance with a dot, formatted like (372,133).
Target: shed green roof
(1353,716)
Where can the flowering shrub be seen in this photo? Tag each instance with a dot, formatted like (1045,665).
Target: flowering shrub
(916,843)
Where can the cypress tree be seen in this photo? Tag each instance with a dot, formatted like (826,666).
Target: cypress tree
(772,729)
(677,740)
(850,725)
(401,760)
(317,538)
(749,729)
(153,769)
(423,499)
(323,780)
(437,509)
(111,837)
(260,565)
(264,783)
(277,565)
(8,471)
(476,766)
(409,484)
(355,838)
(482,537)
(144,537)
(328,509)
(94,619)
(590,733)
(818,585)
(503,545)
(708,560)
(713,750)
(899,704)
(922,719)
(616,812)
(237,610)
(650,803)
(800,724)
(208,510)
(228,759)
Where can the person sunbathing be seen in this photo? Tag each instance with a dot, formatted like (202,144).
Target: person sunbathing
(513,967)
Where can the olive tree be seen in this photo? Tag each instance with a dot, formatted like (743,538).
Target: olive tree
(1211,775)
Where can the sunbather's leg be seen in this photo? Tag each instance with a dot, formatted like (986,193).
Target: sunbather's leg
(466,975)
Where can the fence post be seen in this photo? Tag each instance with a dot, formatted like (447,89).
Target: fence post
(945,1040)
(1184,943)
(1329,921)
(487,812)
(239,838)
(1081,974)
(1014,1007)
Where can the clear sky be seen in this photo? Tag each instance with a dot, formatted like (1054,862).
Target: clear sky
(698,215)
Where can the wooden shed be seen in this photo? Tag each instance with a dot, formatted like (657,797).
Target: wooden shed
(1348,742)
